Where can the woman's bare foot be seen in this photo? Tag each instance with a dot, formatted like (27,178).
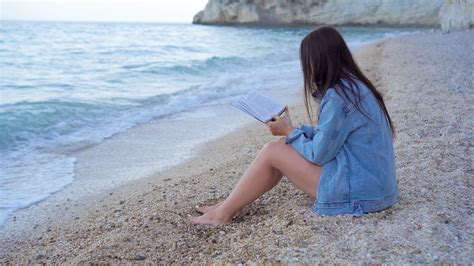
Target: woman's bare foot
(204,209)
(212,217)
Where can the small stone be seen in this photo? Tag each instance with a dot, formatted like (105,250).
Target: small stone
(221,233)
(139,257)
(40,256)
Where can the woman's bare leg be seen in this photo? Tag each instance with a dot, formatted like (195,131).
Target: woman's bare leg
(206,208)
(274,160)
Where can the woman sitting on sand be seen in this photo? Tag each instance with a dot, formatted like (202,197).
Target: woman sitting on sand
(346,162)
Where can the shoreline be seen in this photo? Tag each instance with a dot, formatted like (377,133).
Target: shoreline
(147,216)
(86,149)
(100,164)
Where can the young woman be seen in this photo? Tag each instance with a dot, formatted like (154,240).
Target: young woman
(346,163)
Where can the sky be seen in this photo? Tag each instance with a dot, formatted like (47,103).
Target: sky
(101,10)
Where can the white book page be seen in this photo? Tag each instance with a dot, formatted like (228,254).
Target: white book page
(239,104)
(259,106)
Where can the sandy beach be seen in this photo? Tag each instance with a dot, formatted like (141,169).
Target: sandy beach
(427,83)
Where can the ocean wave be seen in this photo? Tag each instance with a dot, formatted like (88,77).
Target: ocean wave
(196,67)
(26,121)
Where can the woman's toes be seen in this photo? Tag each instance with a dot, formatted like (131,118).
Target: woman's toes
(201,209)
(209,219)
(192,219)
(205,209)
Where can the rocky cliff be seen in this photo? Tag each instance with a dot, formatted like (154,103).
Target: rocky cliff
(448,13)
(457,14)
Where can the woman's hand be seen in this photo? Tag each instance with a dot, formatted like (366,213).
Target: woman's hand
(281,126)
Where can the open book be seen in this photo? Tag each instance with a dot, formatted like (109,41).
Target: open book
(259,106)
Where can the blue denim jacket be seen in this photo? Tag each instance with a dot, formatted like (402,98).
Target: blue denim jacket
(356,155)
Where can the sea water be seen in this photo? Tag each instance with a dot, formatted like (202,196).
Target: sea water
(70,85)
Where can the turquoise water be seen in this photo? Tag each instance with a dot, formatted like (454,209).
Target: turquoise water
(64,86)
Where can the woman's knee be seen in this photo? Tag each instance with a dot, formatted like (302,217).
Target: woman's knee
(272,145)
(273,148)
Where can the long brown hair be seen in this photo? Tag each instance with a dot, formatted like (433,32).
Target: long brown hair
(326,61)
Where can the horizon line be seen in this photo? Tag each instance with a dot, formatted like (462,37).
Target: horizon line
(96,21)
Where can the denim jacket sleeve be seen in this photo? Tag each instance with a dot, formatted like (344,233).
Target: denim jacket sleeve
(321,144)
